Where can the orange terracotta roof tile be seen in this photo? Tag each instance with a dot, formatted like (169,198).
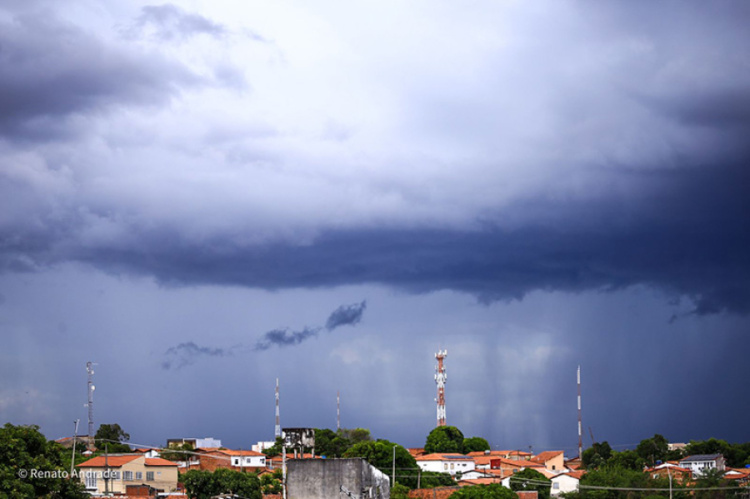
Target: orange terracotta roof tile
(110,461)
(545,456)
(444,457)
(157,461)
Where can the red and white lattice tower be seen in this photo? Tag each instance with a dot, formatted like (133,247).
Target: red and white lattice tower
(440,379)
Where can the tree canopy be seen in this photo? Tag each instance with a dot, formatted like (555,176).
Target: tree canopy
(445,439)
(206,484)
(111,436)
(475,444)
(23,449)
(530,479)
(492,491)
(379,453)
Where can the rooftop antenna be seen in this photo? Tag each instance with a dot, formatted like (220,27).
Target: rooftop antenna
(338,411)
(90,404)
(277,432)
(440,379)
(580,435)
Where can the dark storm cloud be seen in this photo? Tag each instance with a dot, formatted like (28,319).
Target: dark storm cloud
(186,354)
(346,315)
(171,22)
(284,338)
(688,237)
(51,70)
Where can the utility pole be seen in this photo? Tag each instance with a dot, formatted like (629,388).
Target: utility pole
(73,457)
(338,412)
(393,472)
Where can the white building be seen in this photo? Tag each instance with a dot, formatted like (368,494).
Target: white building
(446,463)
(565,482)
(700,463)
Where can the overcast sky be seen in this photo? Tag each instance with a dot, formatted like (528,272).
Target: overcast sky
(204,196)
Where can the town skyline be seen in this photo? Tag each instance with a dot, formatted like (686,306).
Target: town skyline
(203,197)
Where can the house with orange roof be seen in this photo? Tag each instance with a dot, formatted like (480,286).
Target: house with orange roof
(501,463)
(552,460)
(446,463)
(670,470)
(210,459)
(115,473)
(740,475)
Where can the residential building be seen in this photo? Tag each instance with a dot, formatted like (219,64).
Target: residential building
(566,482)
(671,470)
(552,460)
(446,463)
(700,463)
(240,460)
(206,443)
(114,473)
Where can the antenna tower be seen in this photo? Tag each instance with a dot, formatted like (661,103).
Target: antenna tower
(90,404)
(277,431)
(580,436)
(440,379)
(338,411)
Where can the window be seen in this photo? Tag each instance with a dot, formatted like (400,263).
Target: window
(451,465)
(445,466)
(235,462)
(149,476)
(139,475)
(91,479)
(556,485)
(114,475)
(127,476)
(247,460)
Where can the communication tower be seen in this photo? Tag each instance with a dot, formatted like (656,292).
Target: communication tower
(440,379)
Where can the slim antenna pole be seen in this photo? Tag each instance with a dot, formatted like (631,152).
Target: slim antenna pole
(338,411)
(580,435)
(90,404)
(277,432)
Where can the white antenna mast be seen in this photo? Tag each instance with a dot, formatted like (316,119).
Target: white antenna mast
(90,404)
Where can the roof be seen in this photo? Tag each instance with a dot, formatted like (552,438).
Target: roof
(478,481)
(157,461)
(513,463)
(443,457)
(545,456)
(701,457)
(109,461)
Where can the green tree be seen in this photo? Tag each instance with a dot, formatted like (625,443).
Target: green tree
(475,444)
(614,477)
(330,443)
(23,449)
(492,491)
(530,479)
(444,439)
(271,483)
(399,491)
(205,484)
(596,456)
(355,435)
(111,437)
(653,449)
(275,449)
(179,452)
(379,453)
(628,459)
